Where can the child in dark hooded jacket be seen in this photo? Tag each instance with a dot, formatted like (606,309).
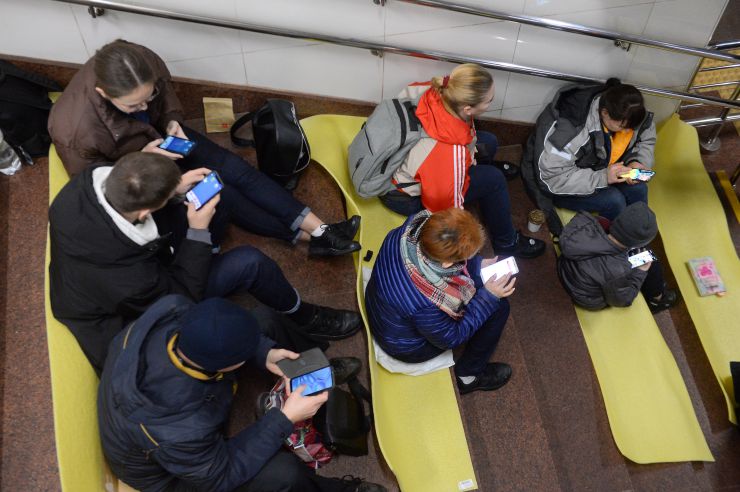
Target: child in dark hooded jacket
(594,267)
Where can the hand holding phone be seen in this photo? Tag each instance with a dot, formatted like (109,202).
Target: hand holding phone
(177,145)
(499,269)
(204,191)
(311,369)
(639,257)
(639,174)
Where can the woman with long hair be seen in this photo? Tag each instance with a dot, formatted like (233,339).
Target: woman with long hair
(122,100)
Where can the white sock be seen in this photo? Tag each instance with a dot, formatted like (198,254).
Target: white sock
(319,231)
(466,379)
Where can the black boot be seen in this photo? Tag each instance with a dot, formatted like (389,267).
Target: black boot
(523,247)
(332,324)
(495,375)
(335,240)
(669,299)
(356,484)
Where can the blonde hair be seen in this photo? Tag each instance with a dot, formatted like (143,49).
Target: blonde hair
(467,85)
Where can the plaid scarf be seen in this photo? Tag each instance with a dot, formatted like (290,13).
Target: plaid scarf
(450,289)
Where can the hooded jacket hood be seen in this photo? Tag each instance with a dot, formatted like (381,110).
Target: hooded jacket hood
(585,238)
(85,231)
(439,123)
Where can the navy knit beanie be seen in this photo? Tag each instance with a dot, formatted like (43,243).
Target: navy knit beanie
(216,334)
(635,226)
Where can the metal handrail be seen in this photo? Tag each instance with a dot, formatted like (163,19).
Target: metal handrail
(725,45)
(385,48)
(578,29)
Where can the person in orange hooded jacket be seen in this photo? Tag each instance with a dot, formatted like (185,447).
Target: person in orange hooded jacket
(440,171)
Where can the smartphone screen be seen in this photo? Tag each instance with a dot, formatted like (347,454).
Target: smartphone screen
(205,190)
(177,145)
(499,269)
(639,258)
(316,381)
(645,175)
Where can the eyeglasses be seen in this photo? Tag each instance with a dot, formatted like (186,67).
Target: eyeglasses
(149,99)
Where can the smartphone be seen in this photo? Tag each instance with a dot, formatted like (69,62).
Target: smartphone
(315,381)
(639,174)
(638,258)
(201,193)
(311,368)
(499,269)
(177,145)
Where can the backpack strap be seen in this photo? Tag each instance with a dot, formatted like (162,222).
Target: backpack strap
(361,393)
(243,120)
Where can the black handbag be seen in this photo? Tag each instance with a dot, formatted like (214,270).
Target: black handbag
(342,420)
(282,148)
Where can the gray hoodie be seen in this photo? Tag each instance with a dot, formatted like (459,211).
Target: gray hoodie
(593,269)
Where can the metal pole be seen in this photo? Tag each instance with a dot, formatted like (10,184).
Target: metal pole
(713,143)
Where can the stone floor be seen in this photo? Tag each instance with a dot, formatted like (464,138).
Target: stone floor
(546,430)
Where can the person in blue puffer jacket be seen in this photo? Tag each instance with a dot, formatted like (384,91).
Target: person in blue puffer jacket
(426,296)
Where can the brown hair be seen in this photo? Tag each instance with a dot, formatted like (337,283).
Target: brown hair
(141,180)
(624,103)
(451,235)
(121,67)
(467,85)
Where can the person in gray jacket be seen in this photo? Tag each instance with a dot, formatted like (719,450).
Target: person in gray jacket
(584,141)
(594,267)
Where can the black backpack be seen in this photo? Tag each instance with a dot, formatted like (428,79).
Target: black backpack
(282,148)
(342,421)
(24,110)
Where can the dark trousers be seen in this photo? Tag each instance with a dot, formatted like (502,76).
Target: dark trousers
(654,284)
(487,188)
(478,349)
(608,202)
(252,201)
(286,473)
(248,269)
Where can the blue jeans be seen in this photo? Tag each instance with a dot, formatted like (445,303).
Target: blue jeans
(608,202)
(250,199)
(247,269)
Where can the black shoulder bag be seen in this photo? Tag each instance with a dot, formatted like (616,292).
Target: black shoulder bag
(282,148)
(342,420)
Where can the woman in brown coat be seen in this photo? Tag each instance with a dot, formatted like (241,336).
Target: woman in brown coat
(122,101)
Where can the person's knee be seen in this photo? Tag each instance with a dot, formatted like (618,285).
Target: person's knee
(503,308)
(490,177)
(283,473)
(251,260)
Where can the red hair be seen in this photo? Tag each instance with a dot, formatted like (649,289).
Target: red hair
(451,235)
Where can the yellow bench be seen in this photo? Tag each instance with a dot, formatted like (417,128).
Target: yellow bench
(74,387)
(417,419)
(693,224)
(647,404)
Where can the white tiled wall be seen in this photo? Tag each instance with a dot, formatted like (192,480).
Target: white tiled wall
(67,33)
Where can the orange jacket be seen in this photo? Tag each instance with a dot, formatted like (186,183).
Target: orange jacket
(440,162)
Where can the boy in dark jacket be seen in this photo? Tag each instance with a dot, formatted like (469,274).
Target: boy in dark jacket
(594,267)
(109,261)
(165,397)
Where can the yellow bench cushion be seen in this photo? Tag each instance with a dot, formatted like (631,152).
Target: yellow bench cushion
(693,224)
(74,387)
(417,419)
(646,400)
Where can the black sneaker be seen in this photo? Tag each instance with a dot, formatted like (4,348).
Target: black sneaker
(494,376)
(345,368)
(509,169)
(355,484)
(349,227)
(669,299)
(332,324)
(334,241)
(523,247)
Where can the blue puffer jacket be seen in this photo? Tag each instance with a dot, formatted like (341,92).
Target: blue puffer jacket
(404,322)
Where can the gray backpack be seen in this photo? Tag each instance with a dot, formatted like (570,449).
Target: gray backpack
(382,146)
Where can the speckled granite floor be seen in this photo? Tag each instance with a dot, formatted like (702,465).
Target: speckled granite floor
(546,430)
